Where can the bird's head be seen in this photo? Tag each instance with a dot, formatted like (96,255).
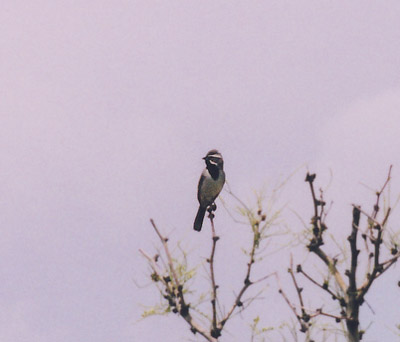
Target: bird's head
(213,157)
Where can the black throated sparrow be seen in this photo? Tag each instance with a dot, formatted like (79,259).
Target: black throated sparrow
(210,185)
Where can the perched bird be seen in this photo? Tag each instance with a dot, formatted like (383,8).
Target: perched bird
(210,185)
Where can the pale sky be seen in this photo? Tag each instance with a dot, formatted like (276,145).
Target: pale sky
(107,108)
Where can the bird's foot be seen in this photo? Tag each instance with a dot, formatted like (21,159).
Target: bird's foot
(212,207)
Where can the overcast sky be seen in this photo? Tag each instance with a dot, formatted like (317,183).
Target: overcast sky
(107,108)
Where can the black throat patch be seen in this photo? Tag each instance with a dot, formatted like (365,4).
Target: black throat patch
(213,170)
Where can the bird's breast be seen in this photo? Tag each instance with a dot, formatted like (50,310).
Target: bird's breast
(210,188)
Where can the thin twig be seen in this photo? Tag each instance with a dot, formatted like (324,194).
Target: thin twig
(247,282)
(310,180)
(298,289)
(215,238)
(303,325)
(177,290)
(314,246)
(166,249)
(325,288)
(320,312)
(378,268)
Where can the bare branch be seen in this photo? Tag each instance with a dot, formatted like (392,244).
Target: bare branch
(215,331)
(298,289)
(354,251)
(303,326)
(322,313)
(176,290)
(324,286)
(247,282)
(378,268)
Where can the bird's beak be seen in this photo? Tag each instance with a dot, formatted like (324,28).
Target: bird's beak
(204,158)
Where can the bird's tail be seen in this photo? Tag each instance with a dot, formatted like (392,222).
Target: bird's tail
(198,221)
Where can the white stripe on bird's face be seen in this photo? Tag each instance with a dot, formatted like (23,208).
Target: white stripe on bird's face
(217,155)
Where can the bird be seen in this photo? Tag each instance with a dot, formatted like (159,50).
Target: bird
(210,185)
